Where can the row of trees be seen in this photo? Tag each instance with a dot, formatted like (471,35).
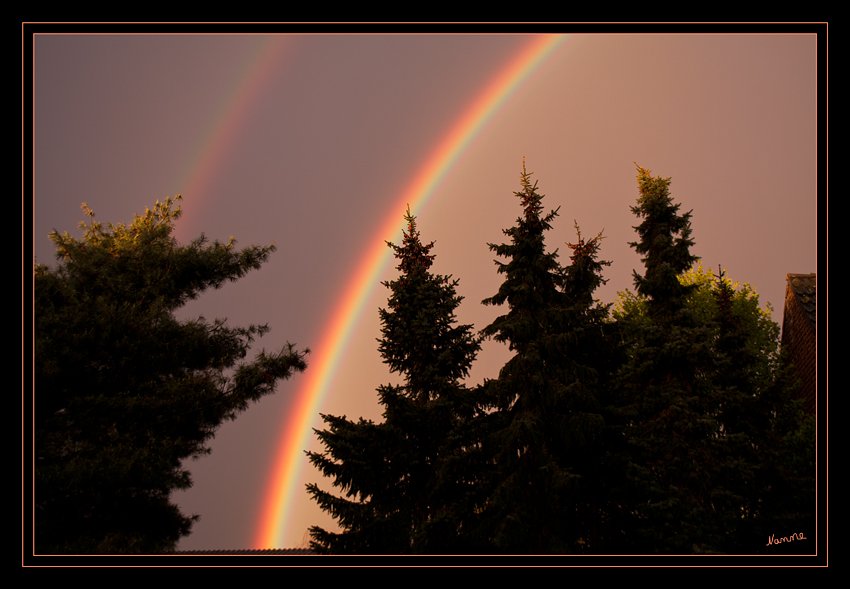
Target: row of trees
(663,425)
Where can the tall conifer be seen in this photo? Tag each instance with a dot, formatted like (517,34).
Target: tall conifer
(686,399)
(391,471)
(669,427)
(544,400)
(589,351)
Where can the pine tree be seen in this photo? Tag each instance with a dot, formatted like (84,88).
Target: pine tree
(669,405)
(391,472)
(539,436)
(692,395)
(124,392)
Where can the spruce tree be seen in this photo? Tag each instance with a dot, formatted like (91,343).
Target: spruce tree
(689,398)
(124,391)
(392,472)
(667,405)
(545,414)
(588,347)
(665,240)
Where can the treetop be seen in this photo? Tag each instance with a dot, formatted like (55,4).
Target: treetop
(412,253)
(650,187)
(585,249)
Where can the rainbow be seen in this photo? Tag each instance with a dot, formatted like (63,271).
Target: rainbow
(221,134)
(280,492)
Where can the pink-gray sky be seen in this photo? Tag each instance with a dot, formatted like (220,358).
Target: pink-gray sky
(336,127)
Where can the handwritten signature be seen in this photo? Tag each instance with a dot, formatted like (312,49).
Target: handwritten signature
(794,536)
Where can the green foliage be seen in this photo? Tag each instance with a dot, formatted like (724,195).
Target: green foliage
(124,392)
(703,304)
(696,401)
(391,472)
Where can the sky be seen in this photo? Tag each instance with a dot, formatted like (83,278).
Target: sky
(317,142)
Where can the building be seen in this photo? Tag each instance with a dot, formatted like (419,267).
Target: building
(799,332)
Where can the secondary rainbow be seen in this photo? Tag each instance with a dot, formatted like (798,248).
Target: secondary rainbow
(289,459)
(221,135)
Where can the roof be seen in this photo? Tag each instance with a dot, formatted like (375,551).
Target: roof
(804,287)
(247,551)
